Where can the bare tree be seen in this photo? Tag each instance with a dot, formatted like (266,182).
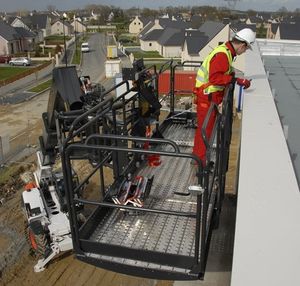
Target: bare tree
(51,8)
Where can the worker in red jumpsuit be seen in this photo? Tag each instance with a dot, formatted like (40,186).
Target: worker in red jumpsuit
(213,76)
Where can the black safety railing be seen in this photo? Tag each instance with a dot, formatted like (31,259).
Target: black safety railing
(217,148)
(173,90)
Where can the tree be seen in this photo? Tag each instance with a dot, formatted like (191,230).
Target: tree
(51,8)
(282,10)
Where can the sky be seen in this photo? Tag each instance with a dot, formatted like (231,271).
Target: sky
(39,5)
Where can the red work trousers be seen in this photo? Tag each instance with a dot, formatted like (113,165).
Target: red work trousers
(203,104)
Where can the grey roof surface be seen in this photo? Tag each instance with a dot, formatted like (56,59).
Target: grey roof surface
(36,21)
(295,19)
(196,21)
(169,23)
(196,43)
(167,34)
(284,76)
(146,20)
(66,23)
(240,26)
(177,39)
(146,29)
(211,28)
(153,35)
(8,32)
(255,19)
(24,33)
(289,31)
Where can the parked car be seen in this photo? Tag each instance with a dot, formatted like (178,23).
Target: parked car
(85,47)
(5,59)
(20,62)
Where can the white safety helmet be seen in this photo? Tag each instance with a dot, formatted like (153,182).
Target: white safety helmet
(246,35)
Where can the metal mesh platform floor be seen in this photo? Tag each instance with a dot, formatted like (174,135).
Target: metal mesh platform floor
(158,232)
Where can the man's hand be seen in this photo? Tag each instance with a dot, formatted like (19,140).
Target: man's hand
(243,82)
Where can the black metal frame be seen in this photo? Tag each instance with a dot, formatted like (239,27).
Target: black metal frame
(106,145)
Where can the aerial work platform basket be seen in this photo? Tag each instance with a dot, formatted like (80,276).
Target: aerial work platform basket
(154,216)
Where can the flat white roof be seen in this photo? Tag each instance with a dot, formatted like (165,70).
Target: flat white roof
(267,238)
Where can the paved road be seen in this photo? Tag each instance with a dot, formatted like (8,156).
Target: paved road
(93,63)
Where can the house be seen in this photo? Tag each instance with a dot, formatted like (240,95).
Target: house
(199,43)
(78,26)
(272,30)
(61,27)
(149,42)
(138,24)
(159,35)
(256,20)
(10,40)
(167,42)
(171,42)
(40,24)
(194,42)
(162,23)
(27,38)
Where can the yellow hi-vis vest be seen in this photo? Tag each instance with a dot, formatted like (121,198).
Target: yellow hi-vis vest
(203,71)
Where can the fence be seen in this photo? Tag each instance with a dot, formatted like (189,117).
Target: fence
(24,74)
(21,145)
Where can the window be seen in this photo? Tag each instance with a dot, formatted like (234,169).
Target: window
(150,44)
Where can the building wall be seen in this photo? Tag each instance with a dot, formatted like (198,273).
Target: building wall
(18,23)
(149,46)
(136,26)
(47,30)
(57,29)
(277,36)
(78,27)
(27,44)
(9,47)
(3,47)
(170,52)
(186,57)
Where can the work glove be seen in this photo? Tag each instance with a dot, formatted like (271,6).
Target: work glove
(245,83)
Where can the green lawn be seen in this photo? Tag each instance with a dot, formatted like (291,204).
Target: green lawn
(151,54)
(7,72)
(41,86)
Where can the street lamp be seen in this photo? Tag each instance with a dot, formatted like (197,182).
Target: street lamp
(65,47)
(75,27)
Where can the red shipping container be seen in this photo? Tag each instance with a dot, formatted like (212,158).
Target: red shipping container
(184,82)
